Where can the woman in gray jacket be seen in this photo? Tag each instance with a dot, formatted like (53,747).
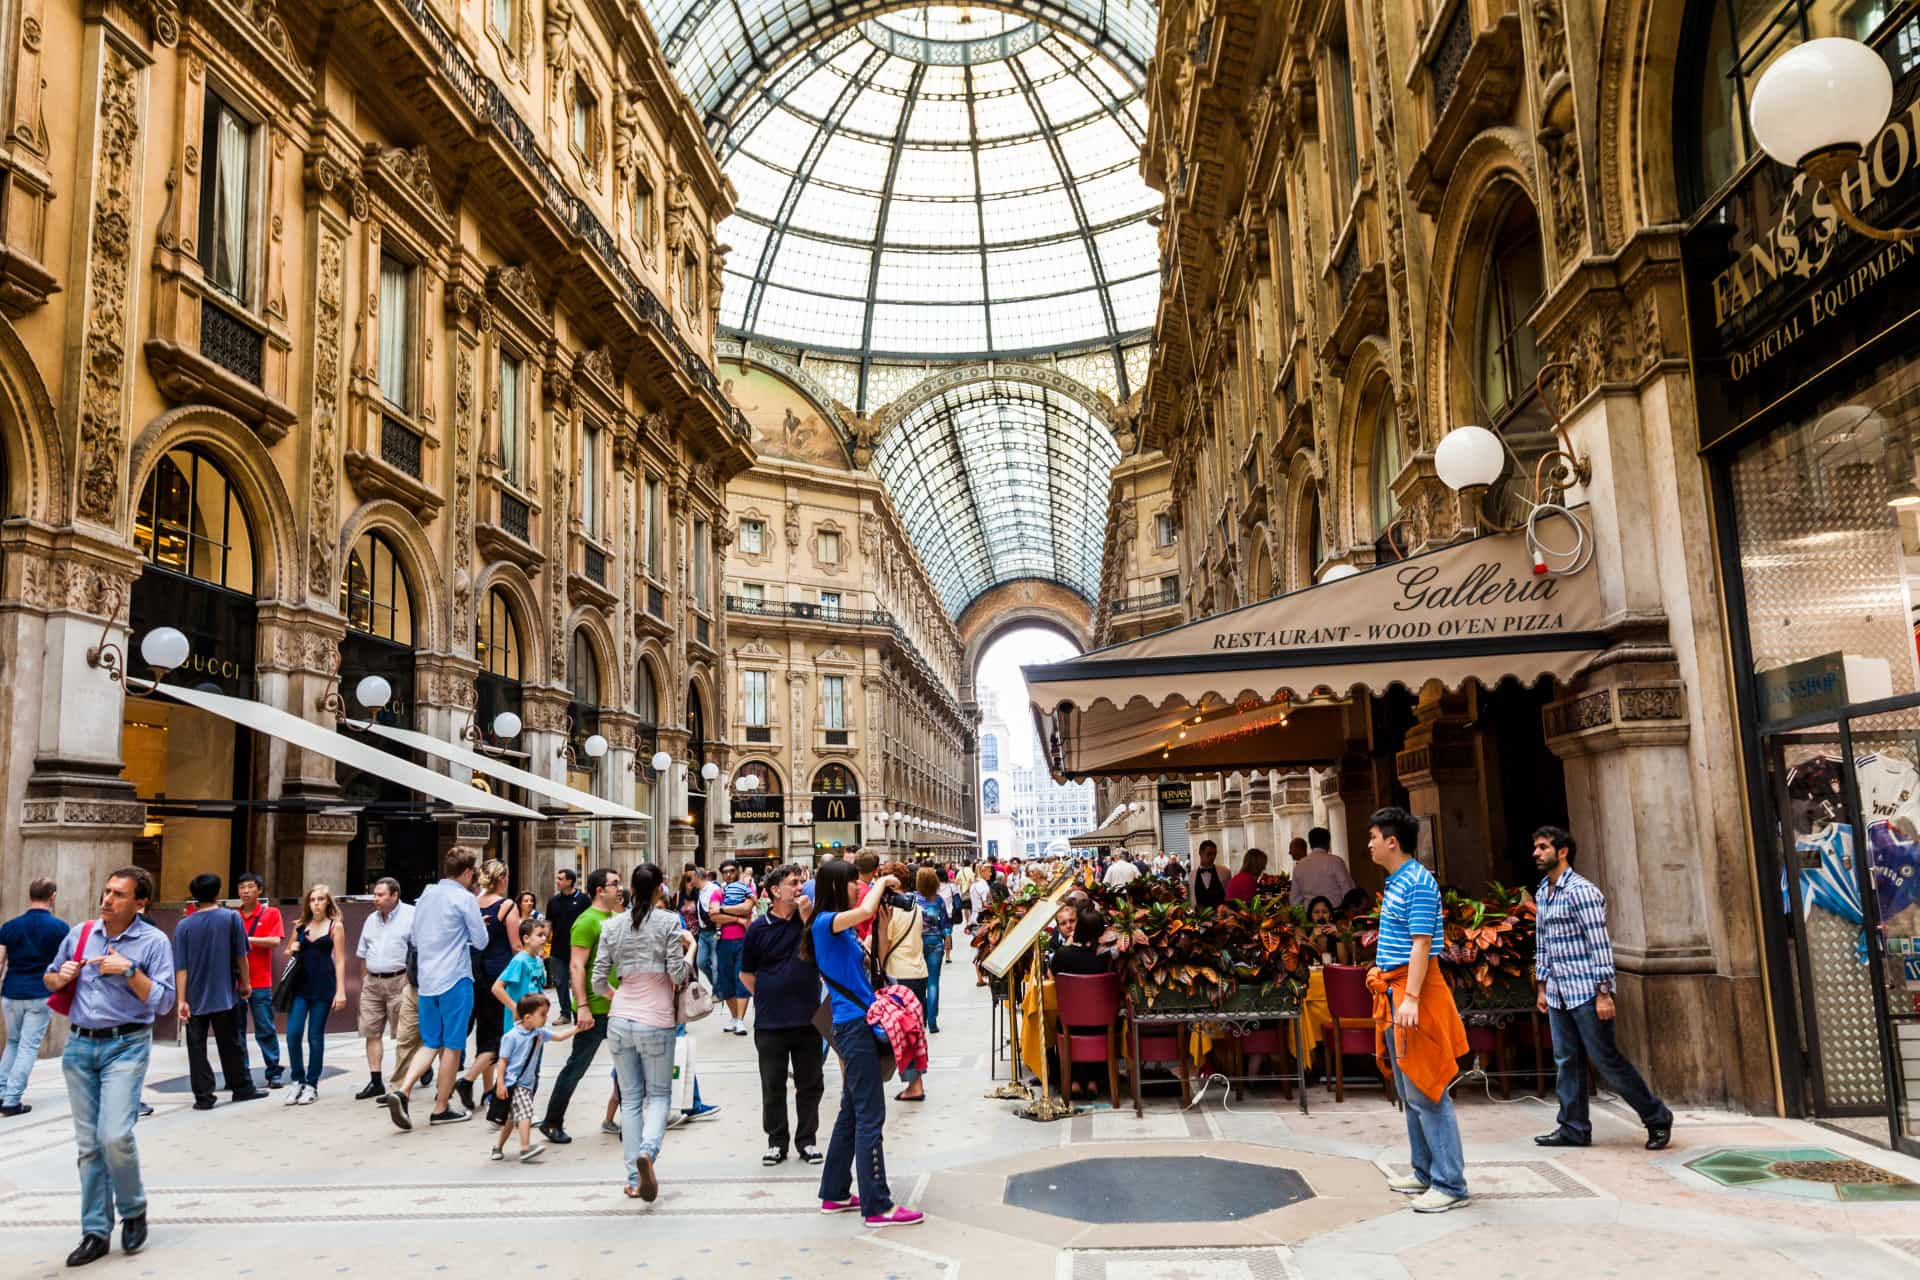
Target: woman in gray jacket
(644,956)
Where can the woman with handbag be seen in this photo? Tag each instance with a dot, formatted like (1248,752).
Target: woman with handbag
(319,986)
(832,944)
(648,953)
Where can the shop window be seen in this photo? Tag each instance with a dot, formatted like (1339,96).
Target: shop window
(1389,456)
(990,753)
(1729,44)
(835,780)
(1507,358)
(753,537)
(498,645)
(374,593)
(396,332)
(583,670)
(512,419)
(833,702)
(768,779)
(754,691)
(990,795)
(590,496)
(226,187)
(190,521)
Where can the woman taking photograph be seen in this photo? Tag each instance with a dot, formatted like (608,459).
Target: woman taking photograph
(502,919)
(319,988)
(648,952)
(832,944)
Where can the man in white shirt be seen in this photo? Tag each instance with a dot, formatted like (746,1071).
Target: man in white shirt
(1320,874)
(447,929)
(1122,873)
(383,976)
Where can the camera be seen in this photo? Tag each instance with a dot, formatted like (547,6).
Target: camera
(899,901)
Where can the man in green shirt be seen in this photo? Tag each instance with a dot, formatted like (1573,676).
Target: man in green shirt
(603,889)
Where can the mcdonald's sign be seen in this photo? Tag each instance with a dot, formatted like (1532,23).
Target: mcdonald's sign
(836,808)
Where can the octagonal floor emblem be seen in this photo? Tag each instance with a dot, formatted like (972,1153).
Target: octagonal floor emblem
(1156,1189)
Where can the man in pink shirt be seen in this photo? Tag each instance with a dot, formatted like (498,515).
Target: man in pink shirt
(733,913)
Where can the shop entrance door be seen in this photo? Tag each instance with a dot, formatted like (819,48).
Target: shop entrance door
(1852,910)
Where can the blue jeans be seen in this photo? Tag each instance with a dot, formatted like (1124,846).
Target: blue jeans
(26,1022)
(312,1016)
(1581,1036)
(708,940)
(104,1078)
(936,956)
(855,1146)
(643,1062)
(1433,1131)
(260,1005)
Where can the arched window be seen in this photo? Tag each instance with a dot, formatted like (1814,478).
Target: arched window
(769,780)
(990,753)
(1316,535)
(583,669)
(499,641)
(835,780)
(990,795)
(1507,359)
(374,593)
(1389,456)
(190,521)
(646,696)
(1726,45)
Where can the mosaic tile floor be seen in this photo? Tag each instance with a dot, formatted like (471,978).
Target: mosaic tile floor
(1808,1173)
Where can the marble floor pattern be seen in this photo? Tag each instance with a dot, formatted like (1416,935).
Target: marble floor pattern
(263,1190)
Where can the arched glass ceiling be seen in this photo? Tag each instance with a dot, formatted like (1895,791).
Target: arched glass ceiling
(999,480)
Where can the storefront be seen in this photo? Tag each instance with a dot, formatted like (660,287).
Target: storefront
(759,814)
(835,812)
(499,648)
(199,578)
(1806,350)
(1174,800)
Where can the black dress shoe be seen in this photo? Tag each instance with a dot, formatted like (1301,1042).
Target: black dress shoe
(133,1234)
(555,1134)
(251,1095)
(373,1089)
(92,1249)
(203,1104)
(1561,1138)
(465,1088)
(10,1112)
(1659,1136)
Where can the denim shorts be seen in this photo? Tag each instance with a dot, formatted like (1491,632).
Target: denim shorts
(444,1018)
(726,970)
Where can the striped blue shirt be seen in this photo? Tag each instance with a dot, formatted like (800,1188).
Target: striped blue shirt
(1410,909)
(1573,957)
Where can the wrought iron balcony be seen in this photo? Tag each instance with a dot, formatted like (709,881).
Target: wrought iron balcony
(231,342)
(514,516)
(399,446)
(593,563)
(1161,599)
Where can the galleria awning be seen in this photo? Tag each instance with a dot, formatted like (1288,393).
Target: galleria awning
(1269,685)
(499,770)
(1104,837)
(308,736)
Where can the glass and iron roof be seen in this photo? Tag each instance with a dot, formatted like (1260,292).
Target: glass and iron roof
(932,181)
(999,480)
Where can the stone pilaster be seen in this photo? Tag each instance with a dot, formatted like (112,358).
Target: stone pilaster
(1292,809)
(1439,765)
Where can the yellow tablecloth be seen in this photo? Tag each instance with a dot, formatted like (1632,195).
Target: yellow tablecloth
(1315,1017)
(1034,1024)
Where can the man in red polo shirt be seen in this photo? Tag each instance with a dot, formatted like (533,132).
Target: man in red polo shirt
(264,929)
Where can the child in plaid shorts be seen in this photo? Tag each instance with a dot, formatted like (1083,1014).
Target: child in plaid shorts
(520,1074)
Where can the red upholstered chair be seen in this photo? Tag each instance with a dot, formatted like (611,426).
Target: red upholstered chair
(1157,1044)
(1489,1044)
(1088,1000)
(1273,1041)
(1350,1005)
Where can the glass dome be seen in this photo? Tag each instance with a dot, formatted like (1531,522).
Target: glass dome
(922,185)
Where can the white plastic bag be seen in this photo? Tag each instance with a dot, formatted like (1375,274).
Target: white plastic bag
(683,1073)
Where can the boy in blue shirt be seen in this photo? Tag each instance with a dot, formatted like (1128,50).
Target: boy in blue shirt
(526,973)
(520,1073)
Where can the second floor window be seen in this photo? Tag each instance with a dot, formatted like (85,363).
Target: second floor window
(753,537)
(1170,587)
(1346,135)
(1165,532)
(700,563)
(227,144)
(651,532)
(830,602)
(583,105)
(753,593)
(512,459)
(590,480)
(829,548)
(833,702)
(642,206)
(755,688)
(396,332)
(502,12)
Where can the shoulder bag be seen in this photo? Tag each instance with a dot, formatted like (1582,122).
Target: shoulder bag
(692,999)
(823,1023)
(61,1001)
(284,981)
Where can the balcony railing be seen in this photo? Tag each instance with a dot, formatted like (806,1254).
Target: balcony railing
(231,342)
(1153,600)
(809,611)
(1451,54)
(702,630)
(514,516)
(759,733)
(399,446)
(656,601)
(593,562)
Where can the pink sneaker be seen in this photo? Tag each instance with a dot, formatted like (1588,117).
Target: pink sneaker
(839,1206)
(900,1217)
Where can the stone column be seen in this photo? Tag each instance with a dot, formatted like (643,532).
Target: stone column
(682,841)
(1256,819)
(1347,791)
(1439,765)
(1292,810)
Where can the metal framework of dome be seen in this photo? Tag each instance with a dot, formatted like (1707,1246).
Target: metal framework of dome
(999,480)
(933,182)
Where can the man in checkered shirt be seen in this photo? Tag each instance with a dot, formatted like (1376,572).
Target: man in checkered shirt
(1573,961)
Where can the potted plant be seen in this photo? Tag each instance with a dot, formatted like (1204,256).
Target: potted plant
(1487,958)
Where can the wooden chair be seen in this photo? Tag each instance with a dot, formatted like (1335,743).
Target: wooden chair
(1088,1000)
(1350,1005)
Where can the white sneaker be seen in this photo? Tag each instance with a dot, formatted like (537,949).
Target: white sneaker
(310,1094)
(298,1096)
(1406,1184)
(1434,1200)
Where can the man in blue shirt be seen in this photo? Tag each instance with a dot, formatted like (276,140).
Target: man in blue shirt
(27,945)
(1409,925)
(1573,961)
(447,930)
(121,970)
(211,982)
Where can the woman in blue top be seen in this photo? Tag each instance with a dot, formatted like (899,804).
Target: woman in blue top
(936,936)
(832,943)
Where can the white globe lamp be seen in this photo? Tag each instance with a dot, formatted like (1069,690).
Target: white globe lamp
(372,692)
(1469,458)
(506,725)
(165,648)
(661,761)
(595,746)
(709,771)
(1822,101)
(1333,574)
